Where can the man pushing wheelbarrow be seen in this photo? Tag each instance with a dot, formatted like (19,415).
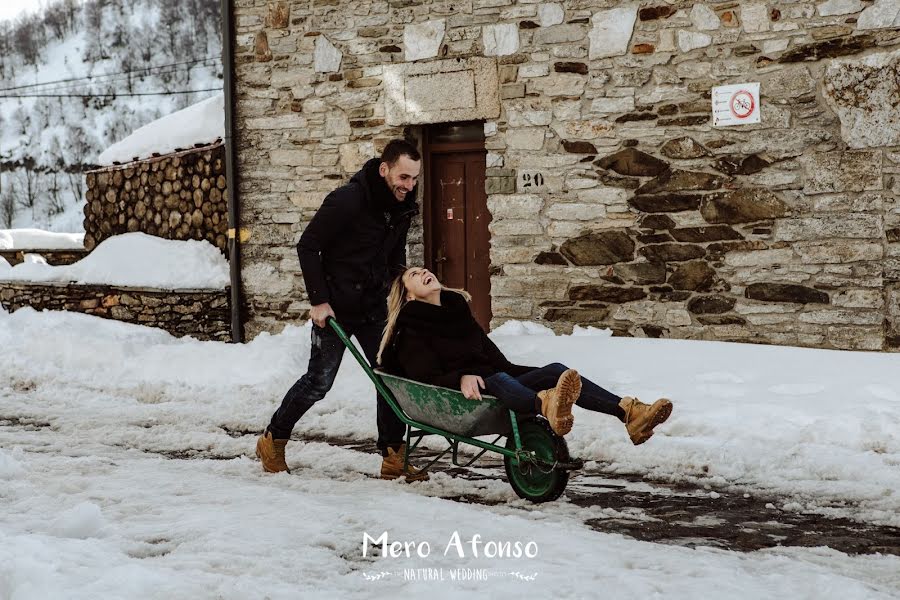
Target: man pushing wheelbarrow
(349,253)
(436,356)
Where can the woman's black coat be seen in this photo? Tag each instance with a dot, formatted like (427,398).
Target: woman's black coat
(439,344)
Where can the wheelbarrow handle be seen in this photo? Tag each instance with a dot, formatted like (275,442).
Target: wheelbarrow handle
(382,389)
(332,322)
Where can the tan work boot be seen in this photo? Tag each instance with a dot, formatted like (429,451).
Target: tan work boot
(392,466)
(556,403)
(271,453)
(640,418)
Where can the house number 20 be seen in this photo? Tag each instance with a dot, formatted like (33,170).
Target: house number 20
(532,180)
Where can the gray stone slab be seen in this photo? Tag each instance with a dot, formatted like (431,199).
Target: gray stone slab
(442,91)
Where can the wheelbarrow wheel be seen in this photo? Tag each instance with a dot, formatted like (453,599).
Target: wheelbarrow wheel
(538,482)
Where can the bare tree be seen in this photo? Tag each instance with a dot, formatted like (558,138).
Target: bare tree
(56,204)
(93,26)
(76,184)
(71,9)
(55,20)
(28,189)
(6,48)
(28,39)
(7,205)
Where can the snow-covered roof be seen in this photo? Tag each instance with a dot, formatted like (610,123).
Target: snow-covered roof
(201,123)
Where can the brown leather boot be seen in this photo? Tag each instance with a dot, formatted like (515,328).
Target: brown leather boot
(556,403)
(392,466)
(271,453)
(640,418)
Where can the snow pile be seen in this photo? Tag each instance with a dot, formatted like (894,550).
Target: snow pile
(523,328)
(85,520)
(590,330)
(34,259)
(136,260)
(200,123)
(9,466)
(14,239)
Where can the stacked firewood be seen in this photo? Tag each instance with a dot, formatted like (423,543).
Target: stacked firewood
(179,197)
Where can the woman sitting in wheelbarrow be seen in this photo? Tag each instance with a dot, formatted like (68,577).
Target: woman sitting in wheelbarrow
(432,337)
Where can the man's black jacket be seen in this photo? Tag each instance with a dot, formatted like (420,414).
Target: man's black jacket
(354,245)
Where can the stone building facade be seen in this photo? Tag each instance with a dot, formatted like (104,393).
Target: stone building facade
(613,199)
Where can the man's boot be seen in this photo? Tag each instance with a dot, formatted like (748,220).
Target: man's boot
(640,418)
(392,466)
(271,453)
(556,403)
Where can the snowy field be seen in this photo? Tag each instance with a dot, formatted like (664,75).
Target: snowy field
(119,478)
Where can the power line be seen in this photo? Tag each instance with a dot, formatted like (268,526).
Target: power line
(90,77)
(110,95)
(101,75)
(75,86)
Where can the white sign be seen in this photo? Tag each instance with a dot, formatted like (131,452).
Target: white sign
(735,104)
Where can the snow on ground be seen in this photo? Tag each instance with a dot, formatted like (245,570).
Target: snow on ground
(823,425)
(30,238)
(90,506)
(201,123)
(136,260)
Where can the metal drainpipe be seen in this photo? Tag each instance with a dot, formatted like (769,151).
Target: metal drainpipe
(234,246)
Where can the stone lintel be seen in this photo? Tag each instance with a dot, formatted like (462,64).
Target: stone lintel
(442,91)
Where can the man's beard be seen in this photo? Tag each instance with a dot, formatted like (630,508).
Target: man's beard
(398,193)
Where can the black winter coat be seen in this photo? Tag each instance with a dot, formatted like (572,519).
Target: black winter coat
(439,344)
(354,245)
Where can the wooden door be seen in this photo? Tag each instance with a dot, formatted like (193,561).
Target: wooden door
(457,238)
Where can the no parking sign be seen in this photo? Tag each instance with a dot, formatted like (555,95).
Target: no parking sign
(736,104)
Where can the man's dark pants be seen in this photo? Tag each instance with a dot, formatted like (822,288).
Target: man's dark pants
(325,356)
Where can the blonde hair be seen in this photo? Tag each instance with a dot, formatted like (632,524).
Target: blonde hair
(396,300)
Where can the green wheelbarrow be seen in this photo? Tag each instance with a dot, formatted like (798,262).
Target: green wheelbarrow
(537,460)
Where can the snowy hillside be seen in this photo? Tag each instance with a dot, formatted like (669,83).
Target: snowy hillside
(82,75)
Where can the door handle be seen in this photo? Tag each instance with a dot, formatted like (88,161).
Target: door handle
(439,263)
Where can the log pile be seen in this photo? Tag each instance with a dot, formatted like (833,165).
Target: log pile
(178,197)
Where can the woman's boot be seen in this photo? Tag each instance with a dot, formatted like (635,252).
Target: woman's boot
(556,403)
(640,418)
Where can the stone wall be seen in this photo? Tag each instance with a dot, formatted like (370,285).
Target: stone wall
(614,200)
(179,196)
(202,314)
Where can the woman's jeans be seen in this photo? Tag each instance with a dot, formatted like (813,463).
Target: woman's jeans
(520,393)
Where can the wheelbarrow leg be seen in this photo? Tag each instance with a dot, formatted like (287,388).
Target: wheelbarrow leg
(514,421)
(406,448)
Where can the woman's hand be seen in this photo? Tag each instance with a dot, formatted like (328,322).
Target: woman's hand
(470,384)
